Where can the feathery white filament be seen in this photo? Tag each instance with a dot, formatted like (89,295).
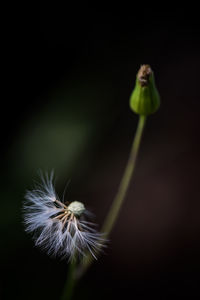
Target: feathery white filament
(58,228)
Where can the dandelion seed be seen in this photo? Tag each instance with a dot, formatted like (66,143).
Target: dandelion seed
(58,228)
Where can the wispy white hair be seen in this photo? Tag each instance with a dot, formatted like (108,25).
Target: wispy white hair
(59,229)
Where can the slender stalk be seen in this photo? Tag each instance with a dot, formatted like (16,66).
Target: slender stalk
(122,191)
(123,187)
(70,283)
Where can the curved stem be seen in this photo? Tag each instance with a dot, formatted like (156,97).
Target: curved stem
(122,191)
(70,283)
(123,187)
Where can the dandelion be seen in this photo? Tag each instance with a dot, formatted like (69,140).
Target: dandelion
(58,228)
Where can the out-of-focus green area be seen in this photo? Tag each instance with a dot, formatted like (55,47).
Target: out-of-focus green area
(60,135)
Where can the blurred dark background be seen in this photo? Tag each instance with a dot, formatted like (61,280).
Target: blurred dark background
(69,72)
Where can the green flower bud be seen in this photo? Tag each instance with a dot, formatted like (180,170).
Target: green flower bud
(145,98)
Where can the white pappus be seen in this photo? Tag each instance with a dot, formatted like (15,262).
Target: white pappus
(58,228)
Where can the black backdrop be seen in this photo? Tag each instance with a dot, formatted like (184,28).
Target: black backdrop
(95,50)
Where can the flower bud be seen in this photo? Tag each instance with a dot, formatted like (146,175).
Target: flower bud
(145,98)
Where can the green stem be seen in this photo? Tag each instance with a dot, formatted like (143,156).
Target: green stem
(122,191)
(125,182)
(70,283)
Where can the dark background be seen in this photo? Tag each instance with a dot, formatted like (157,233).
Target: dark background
(69,72)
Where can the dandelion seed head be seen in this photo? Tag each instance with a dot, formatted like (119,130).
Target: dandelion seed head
(77,208)
(58,228)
